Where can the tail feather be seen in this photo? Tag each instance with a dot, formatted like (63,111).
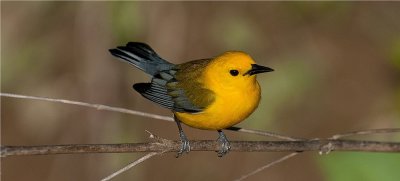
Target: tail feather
(141,56)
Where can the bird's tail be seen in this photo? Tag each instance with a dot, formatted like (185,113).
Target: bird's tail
(142,56)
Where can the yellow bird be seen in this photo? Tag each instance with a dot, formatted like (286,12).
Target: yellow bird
(210,94)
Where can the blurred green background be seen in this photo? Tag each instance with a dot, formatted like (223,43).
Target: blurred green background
(337,70)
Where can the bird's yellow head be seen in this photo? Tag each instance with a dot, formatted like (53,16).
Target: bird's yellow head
(233,70)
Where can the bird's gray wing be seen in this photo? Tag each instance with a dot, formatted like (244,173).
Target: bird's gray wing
(178,89)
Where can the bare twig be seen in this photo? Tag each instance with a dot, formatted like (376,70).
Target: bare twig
(130,165)
(267,166)
(140,160)
(206,145)
(159,145)
(139,113)
(96,106)
(264,133)
(366,132)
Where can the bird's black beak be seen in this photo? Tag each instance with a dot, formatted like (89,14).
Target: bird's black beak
(256,69)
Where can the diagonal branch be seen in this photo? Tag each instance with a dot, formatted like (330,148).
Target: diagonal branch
(366,132)
(138,161)
(95,106)
(139,113)
(160,145)
(269,165)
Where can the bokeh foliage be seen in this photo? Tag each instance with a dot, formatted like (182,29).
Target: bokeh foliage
(337,70)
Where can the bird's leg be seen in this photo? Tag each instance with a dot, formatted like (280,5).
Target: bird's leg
(225,146)
(185,147)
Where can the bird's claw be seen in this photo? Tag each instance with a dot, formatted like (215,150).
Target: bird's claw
(185,145)
(225,145)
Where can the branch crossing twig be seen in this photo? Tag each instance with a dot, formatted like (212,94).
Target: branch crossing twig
(160,145)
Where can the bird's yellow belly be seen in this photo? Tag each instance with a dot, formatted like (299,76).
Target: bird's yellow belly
(226,111)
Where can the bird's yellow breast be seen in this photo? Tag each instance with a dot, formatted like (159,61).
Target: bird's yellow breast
(235,97)
(227,110)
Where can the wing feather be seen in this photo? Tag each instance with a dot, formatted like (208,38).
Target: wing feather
(177,89)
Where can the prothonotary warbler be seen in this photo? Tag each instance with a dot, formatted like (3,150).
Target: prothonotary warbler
(212,94)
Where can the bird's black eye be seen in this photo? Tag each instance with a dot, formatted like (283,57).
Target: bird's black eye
(234,72)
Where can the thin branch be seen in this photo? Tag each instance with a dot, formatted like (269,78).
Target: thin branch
(142,159)
(366,132)
(95,106)
(160,145)
(267,166)
(325,149)
(139,113)
(264,133)
(324,146)
(130,165)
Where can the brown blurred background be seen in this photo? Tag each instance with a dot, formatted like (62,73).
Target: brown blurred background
(337,70)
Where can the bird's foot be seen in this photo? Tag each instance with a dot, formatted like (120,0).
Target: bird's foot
(225,145)
(185,145)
